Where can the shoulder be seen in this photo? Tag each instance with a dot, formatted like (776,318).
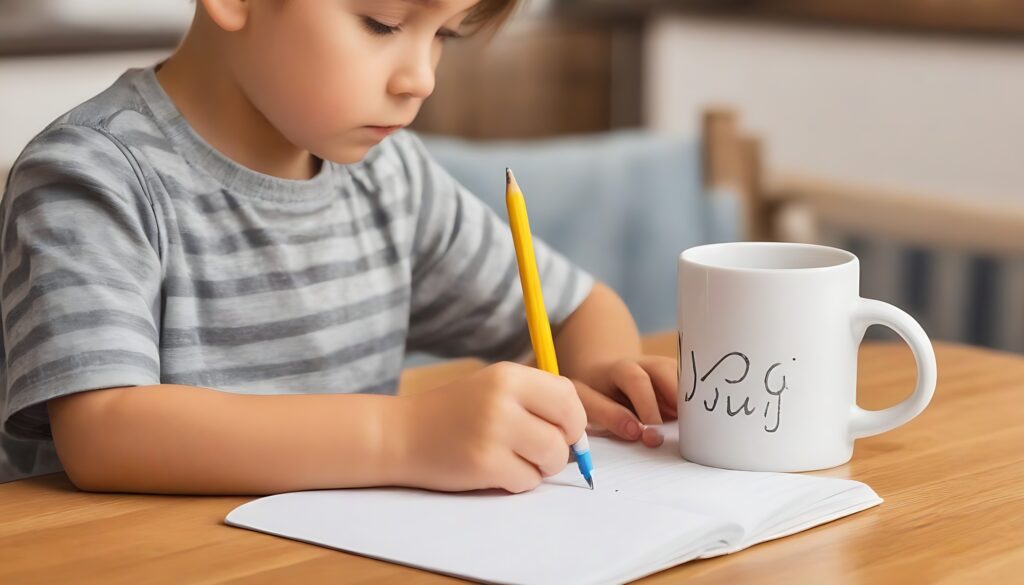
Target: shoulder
(74,158)
(73,184)
(120,112)
(87,146)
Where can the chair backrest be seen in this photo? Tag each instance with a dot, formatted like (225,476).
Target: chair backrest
(732,163)
(622,205)
(957,264)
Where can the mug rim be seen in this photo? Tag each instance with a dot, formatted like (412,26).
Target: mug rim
(688,256)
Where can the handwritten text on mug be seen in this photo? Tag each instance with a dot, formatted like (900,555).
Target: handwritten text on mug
(735,361)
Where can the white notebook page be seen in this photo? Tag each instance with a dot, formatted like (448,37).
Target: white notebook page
(650,510)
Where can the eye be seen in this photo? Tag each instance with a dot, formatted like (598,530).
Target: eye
(379,28)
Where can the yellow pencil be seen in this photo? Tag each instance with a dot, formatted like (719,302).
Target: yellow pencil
(536,314)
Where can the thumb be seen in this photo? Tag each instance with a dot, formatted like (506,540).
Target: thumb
(608,414)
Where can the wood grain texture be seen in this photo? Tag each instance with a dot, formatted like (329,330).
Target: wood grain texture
(952,479)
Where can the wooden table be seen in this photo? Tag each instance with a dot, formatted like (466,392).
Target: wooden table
(952,479)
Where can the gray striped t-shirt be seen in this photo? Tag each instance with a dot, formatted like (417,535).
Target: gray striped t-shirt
(133,253)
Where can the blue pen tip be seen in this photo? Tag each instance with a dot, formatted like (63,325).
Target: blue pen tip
(586,465)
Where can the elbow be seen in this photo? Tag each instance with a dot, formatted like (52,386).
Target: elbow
(86,479)
(85,435)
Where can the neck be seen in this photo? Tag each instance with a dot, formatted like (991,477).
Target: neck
(201,85)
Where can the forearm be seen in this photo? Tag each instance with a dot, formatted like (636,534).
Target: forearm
(600,331)
(181,439)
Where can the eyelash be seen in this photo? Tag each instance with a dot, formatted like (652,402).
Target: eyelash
(380,29)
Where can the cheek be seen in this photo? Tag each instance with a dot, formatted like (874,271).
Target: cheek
(311,87)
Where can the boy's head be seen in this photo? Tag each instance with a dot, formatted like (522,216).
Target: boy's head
(336,76)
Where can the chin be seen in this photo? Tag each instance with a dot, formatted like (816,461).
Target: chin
(346,155)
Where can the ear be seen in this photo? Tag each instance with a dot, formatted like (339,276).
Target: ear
(230,15)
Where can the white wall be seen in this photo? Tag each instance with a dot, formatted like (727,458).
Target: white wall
(940,114)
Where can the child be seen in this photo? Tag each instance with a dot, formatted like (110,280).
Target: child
(212,270)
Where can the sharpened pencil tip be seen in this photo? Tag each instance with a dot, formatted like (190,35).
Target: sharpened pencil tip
(511,185)
(590,482)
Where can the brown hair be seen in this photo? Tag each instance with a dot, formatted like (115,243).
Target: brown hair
(489,15)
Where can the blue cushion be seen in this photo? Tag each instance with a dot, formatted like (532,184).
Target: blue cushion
(621,205)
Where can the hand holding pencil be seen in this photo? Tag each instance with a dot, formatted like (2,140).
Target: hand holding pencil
(508,425)
(536,314)
(623,392)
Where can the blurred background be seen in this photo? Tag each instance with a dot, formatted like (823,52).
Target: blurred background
(892,128)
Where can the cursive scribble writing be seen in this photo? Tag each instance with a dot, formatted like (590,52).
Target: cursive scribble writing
(735,367)
(693,361)
(743,406)
(777,394)
(711,407)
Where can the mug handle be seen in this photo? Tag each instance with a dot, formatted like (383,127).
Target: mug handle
(864,423)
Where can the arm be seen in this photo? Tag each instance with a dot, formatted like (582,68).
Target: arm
(182,439)
(622,390)
(505,426)
(600,331)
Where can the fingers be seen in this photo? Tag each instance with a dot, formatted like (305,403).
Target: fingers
(634,382)
(652,437)
(616,418)
(540,443)
(518,475)
(553,399)
(662,372)
(604,411)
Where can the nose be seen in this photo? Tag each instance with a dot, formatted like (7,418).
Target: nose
(414,77)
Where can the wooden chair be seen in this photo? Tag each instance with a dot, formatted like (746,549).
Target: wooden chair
(957,264)
(732,161)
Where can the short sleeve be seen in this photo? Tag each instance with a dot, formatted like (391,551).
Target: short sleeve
(466,296)
(80,276)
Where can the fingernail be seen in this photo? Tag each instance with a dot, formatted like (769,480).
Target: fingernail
(633,429)
(653,436)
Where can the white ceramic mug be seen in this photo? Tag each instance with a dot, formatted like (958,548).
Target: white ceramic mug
(768,338)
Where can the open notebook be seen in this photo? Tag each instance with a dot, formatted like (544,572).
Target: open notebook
(650,511)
